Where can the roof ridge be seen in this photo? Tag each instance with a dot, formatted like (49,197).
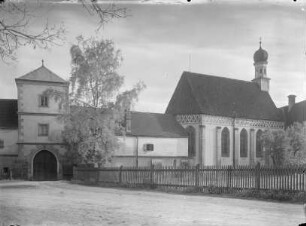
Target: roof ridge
(216,76)
(42,74)
(156,113)
(29,72)
(301,102)
(52,72)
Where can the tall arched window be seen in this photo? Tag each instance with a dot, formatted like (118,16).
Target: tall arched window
(243,144)
(1,143)
(225,143)
(259,145)
(191,141)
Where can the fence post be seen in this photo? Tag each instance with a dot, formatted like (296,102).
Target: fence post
(74,171)
(229,177)
(257,176)
(152,176)
(197,177)
(97,175)
(120,175)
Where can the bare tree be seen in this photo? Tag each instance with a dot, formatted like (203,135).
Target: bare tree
(106,13)
(15,25)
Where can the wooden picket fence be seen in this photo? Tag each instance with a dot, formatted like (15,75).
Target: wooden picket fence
(224,177)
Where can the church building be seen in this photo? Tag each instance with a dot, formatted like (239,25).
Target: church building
(225,117)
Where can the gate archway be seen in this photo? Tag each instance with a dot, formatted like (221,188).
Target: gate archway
(44,166)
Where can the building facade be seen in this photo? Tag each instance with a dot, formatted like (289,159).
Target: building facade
(209,120)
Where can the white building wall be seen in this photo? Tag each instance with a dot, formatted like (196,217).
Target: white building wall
(10,137)
(9,152)
(213,126)
(175,147)
(163,147)
(167,151)
(28,97)
(29,129)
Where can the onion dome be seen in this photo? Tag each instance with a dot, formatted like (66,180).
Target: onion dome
(260,55)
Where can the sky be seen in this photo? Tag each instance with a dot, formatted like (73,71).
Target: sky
(161,39)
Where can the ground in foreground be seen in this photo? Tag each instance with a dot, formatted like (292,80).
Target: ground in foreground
(62,203)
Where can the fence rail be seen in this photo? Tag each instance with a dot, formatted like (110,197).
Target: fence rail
(240,177)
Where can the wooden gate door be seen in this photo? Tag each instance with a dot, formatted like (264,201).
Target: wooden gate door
(44,166)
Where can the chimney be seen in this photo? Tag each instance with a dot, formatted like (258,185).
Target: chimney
(128,121)
(291,101)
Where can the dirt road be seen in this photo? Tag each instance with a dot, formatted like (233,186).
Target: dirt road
(62,203)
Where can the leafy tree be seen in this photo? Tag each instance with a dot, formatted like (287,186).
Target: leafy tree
(275,143)
(296,154)
(296,136)
(98,108)
(15,24)
(286,146)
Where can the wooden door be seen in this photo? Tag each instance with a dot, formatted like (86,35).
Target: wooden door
(44,166)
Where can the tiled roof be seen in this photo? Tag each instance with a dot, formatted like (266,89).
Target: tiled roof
(155,125)
(152,125)
(219,96)
(296,114)
(8,114)
(42,74)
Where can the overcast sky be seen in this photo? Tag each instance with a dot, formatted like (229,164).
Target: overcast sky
(157,40)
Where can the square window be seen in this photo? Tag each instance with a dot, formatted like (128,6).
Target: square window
(149,147)
(43,101)
(43,129)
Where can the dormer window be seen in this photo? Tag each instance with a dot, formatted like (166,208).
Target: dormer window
(43,101)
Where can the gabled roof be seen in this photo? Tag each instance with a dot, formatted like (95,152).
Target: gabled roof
(219,96)
(296,114)
(42,74)
(8,114)
(155,125)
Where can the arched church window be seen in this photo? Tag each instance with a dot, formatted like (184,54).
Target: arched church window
(243,143)
(1,143)
(259,145)
(191,141)
(225,142)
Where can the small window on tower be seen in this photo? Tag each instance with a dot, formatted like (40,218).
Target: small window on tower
(260,70)
(43,130)
(43,101)
(265,71)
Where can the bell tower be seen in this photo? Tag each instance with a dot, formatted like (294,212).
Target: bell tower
(260,63)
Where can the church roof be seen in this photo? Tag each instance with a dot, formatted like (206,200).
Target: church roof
(8,114)
(296,114)
(219,96)
(42,74)
(155,125)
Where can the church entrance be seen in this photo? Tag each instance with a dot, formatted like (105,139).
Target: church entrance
(44,166)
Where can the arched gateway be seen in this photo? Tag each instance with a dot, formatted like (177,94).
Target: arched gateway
(44,166)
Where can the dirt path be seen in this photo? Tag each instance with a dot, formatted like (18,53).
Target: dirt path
(62,203)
